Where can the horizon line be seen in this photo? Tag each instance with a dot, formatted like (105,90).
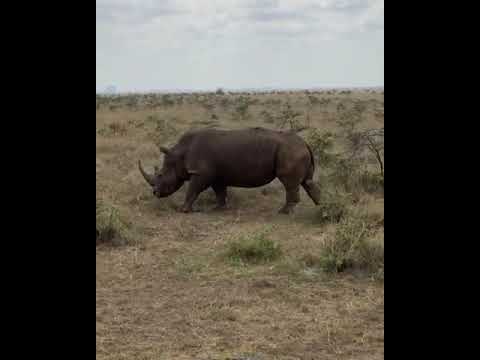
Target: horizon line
(234,90)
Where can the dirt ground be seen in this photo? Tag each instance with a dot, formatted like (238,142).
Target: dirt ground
(169,294)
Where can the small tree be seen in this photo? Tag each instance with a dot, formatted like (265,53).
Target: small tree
(368,141)
(242,107)
(288,117)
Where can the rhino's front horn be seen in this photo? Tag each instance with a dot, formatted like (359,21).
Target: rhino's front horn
(149,178)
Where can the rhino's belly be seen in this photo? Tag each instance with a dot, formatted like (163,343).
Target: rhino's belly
(250,183)
(247,179)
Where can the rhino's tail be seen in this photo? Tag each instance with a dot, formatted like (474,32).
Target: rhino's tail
(310,187)
(311,170)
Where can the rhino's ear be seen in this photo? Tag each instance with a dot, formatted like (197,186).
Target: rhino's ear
(164,150)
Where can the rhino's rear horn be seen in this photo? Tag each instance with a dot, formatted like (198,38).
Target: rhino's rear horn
(149,178)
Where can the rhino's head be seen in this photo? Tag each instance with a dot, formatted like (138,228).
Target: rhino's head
(166,181)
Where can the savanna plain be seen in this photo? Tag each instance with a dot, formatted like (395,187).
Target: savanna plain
(245,282)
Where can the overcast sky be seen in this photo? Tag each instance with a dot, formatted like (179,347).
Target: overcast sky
(205,44)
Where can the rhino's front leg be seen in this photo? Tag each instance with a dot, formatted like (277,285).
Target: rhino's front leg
(195,187)
(221,195)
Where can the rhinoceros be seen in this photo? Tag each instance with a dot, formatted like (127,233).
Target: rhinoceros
(245,158)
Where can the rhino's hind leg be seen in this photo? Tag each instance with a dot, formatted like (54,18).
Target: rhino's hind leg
(312,190)
(292,198)
(221,194)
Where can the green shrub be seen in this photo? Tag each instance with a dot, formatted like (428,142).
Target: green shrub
(321,145)
(254,249)
(113,129)
(167,100)
(288,118)
(241,109)
(352,247)
(333,207)
(267,117)
(110,227)
(371,182)
(164,129)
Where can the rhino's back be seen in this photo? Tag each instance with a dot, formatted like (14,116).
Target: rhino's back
(238,139)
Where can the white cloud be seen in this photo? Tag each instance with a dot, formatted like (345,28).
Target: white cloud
(137,40)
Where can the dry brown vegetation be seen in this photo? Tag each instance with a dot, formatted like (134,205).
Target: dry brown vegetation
(245,283)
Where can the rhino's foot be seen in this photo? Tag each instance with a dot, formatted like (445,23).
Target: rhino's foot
(286,210)
(186,209)
(220,207)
